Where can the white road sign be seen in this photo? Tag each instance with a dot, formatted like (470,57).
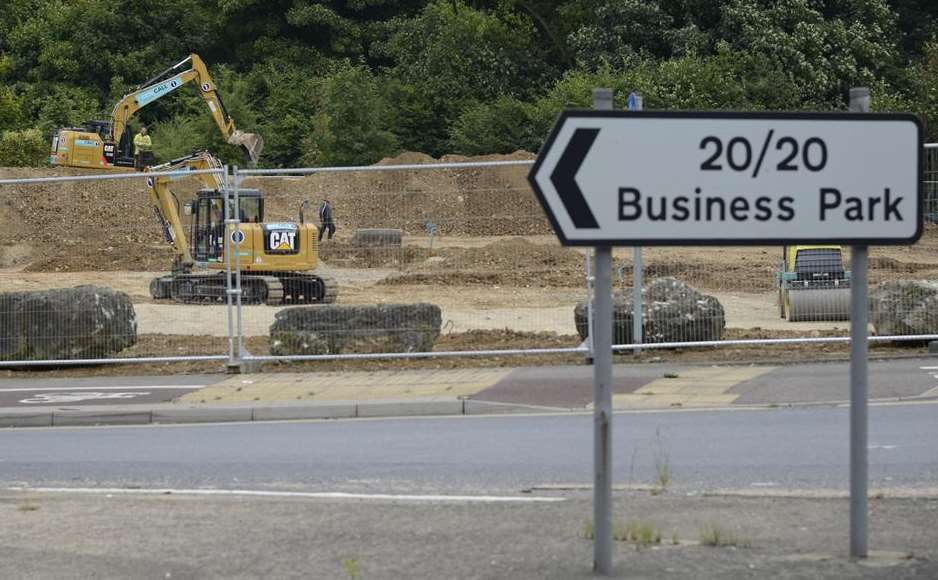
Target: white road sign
(667,178)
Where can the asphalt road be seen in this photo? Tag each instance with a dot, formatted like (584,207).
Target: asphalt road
(798,448)
(99,390)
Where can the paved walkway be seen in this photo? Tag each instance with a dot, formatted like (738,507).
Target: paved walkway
(467,391)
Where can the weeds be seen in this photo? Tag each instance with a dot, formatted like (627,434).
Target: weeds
(714,535)
(638,532)
(662,463)
(350,565)
(28,507)
(588,531)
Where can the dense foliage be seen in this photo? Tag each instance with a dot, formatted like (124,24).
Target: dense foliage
(348,82)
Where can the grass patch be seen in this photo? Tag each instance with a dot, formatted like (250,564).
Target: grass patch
(638,532)
(28,507)
(662,463)
(716,536)
(350,565)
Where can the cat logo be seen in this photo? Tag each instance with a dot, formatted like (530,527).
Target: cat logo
(281,238)
(282,241)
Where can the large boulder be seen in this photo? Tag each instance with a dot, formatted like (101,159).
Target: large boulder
(334,329)
(676,312)
(66,324)
(672,312)
(621,319)
(905,307)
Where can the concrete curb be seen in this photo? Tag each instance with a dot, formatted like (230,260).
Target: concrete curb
(168,413)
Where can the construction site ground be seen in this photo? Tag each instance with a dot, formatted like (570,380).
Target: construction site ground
(492,264)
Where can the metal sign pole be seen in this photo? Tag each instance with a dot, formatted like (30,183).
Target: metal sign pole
(602,394)
(859,377)
(636,103)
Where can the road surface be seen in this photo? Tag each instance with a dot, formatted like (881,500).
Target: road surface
(796,448)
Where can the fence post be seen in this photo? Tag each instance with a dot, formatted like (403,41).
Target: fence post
(233,365)
(859,420)
(237,260)
(602,394)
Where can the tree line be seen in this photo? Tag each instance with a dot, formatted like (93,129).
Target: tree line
(346,82)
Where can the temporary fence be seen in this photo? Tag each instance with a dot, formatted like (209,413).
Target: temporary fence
(466,240)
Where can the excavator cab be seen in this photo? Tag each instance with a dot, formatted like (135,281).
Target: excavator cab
(208,220)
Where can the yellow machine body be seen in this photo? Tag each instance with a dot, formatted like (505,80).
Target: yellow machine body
(813,284)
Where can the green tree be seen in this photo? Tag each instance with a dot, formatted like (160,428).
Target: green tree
(27,148)
(454,55)
(823,46)
(351,127)
(503,126)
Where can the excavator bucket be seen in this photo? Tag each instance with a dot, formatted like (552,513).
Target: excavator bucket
(251,143)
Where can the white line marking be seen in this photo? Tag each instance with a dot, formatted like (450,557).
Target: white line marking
(70,389)
(303,494)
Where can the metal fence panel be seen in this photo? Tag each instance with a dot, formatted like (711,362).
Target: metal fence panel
(469,238)
(62,235)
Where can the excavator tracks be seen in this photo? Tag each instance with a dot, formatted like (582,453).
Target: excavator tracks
(269,289)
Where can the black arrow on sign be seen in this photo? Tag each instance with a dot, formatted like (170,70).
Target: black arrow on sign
(564,178)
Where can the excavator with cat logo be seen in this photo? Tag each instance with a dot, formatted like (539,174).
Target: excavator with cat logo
(109,145)
(277,261)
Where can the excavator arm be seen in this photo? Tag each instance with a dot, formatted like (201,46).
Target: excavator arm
(171,79)
(165,204)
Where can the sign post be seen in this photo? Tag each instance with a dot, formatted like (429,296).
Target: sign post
(653,178)
(602,393)
(859,376)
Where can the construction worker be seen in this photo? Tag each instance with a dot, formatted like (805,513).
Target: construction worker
(325,219)
(143,150)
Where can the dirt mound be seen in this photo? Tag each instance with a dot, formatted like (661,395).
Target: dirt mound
(407,158)
(109,225)
(514,262)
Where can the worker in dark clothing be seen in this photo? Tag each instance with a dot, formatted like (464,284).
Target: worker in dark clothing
(325,219)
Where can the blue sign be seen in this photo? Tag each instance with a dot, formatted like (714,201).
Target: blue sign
(633,103)
(148,96)
(85,143)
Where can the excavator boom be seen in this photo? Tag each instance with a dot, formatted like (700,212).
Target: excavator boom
(170,80)
(165,204)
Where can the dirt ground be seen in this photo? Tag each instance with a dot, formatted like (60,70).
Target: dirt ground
(491,263)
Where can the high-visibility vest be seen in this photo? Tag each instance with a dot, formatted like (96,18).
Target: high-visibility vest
(142,143)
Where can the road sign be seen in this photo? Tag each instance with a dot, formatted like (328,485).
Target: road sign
(673,178)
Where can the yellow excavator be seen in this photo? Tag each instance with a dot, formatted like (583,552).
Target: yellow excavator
(108,144)
(277,260)
(813,284)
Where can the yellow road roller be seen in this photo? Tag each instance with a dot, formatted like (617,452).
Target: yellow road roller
(813,284)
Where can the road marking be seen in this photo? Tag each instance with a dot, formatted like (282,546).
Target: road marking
(69,397)
(70,389)
(301,494)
